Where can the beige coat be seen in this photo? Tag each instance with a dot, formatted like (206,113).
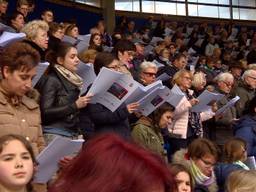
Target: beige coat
(23,119)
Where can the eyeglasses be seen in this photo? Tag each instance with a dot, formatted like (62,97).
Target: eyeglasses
(207,163)
(228,84)
(116,67)
(187,78)
(150,74)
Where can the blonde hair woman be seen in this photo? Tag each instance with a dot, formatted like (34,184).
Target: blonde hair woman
(241,181)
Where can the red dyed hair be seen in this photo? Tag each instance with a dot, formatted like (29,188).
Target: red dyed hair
(108,163)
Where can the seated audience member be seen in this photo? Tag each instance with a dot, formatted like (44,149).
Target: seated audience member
(246,128)
(88,56)
(3,9)
(147,73)
(224,122)
(209,70)
(60,101)
(183,178)
(102,119)
(20,114)
(245,90)
(234,156)
(47,16)
(108,163)
(139,56)
(72,31)
(23,7)
(56,34)
(241,181)
(17,164)
(106,38)
(124,51)
(187,125)
(16,21)
(96,42)
(36,36)
(149,131)
(200,158)
(211,46)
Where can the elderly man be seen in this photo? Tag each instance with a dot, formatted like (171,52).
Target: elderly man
(245,90)
(223,122)
(147,73)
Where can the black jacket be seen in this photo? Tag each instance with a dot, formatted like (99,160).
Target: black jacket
(57,102)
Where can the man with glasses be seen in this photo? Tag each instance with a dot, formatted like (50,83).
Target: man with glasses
(147,73)
(224,122)
(245,90)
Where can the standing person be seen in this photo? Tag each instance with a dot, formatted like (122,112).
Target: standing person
(23,7)
(102,119)
(242,181)
(149,131)
(17,164)
(72,31)
(60,102)
(235,154)
(96,42)
(20,114)
(3,9)
(16,21)
(182,177)
(107,163)
(200,158)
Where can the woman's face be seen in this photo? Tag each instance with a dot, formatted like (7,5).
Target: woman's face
(18,22)
(41,39)
(16,166)
(71,60)
(126,56)
(185,81)
(59,34)
(183,182)
(74,32)
(165,119)
(206,164)
(18,82)
(114,65)
(97,40)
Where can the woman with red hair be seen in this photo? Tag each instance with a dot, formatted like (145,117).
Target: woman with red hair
(108,163)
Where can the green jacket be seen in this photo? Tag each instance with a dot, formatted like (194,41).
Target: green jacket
(149,136)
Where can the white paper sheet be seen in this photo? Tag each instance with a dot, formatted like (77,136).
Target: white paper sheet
(229,104)
(49,158)
(8,37)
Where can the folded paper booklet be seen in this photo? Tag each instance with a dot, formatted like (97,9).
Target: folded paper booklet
(86,72)
(41,68)
(228,105)
(206,99)
(251,163)
(153,100)
(49,158)
(112,88)
(176,96)
(8,37)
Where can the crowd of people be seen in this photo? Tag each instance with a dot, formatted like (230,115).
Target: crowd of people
(172,149)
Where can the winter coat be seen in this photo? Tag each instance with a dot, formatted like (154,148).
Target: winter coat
(246,129)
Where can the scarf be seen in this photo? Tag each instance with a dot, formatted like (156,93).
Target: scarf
(194,120)
(70,76)
(199,177)
(241,164)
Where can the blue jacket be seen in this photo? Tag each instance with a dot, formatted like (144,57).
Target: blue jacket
(222,171)
(246,129)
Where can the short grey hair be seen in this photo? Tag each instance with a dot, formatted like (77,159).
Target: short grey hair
(146,64)
(249,72)
(224,77)
(31,28)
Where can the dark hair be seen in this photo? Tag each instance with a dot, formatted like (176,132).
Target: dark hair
(233,151)
(102,60)
(157,114)
(19,55)
(26,143)
(60,51)
(200,147)
(177,168)
(251,107)
(13,16)
(122,46)
(179,56)
(69,29)
(54,27)
(46,10)
(92,45)
(108,163)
